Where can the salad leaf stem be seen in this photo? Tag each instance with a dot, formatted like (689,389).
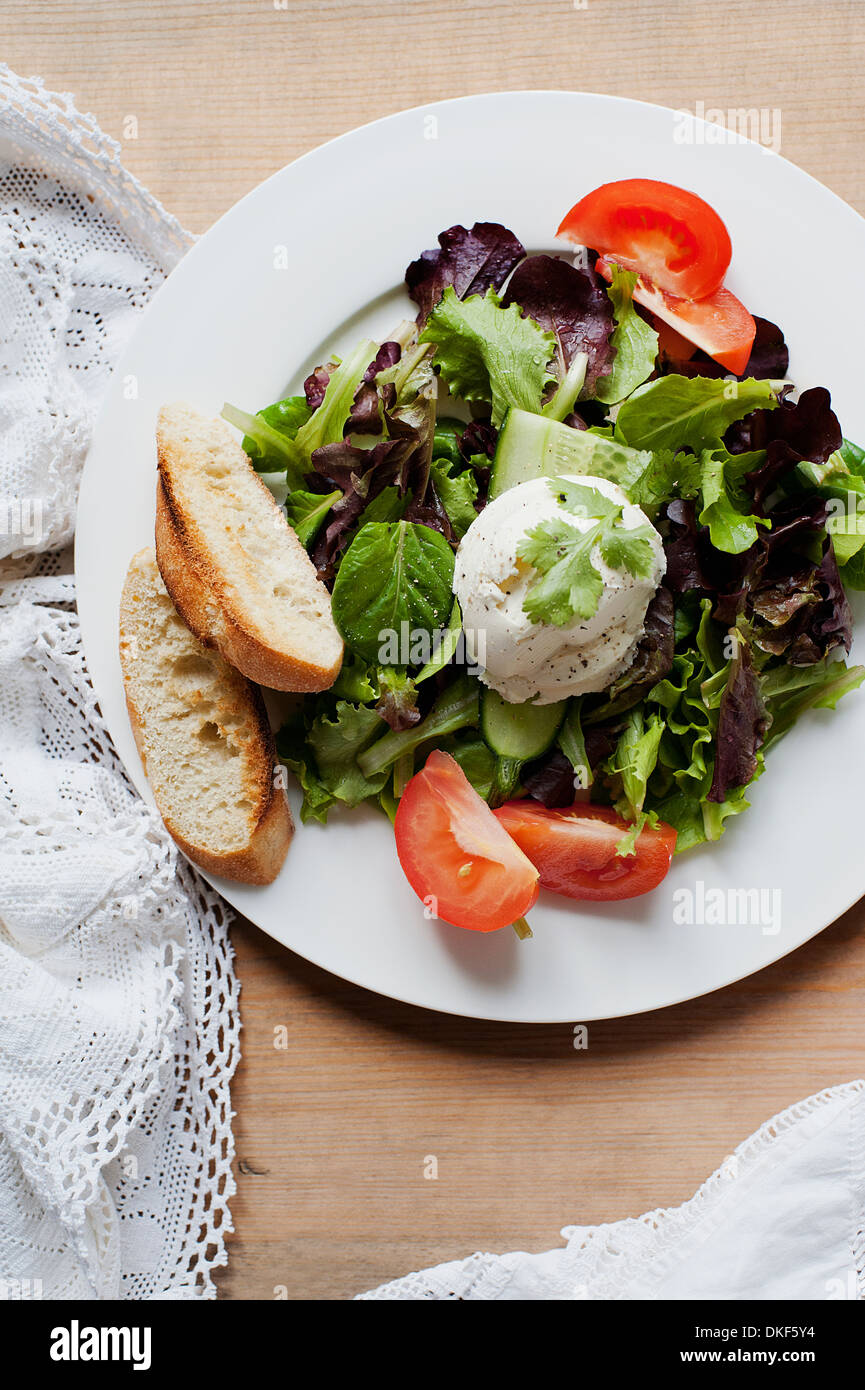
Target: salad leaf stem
(403,771)
(456,708)
(270,440)
(506,779)
(565,398)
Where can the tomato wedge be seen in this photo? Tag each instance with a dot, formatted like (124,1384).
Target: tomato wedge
(455,854)
(719,324)
(672,345)
(657,229)
(574,850)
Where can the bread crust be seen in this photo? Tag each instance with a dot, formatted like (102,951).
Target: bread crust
(200,597)
(260,860)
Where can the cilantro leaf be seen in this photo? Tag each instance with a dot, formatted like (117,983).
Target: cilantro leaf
(585,501)
(487,353)
(629,549)
(571,586)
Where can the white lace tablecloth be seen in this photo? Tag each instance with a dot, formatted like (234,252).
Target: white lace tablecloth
(118,1001)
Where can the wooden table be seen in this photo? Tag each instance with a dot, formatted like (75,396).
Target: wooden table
(333,1132)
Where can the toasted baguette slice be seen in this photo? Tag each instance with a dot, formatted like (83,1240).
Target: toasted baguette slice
(203,735)
(235,569)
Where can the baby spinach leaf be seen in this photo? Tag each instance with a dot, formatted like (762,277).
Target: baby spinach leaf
(445,648)
(458,496)
(306,512)
(393,573)
(474,757)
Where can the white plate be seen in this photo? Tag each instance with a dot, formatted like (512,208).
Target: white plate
(230,324)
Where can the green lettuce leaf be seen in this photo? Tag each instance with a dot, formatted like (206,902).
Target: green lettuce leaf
(841,483)
(291,747)
(336,744)
(675,412)
(789,691)
(269,438)
(283,436)
(635,341)
(571,741)
(726,511)
(487,353)
(633,760)
(326,424)
(356,681)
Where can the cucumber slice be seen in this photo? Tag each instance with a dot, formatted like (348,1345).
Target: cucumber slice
(533,446)
(519,732)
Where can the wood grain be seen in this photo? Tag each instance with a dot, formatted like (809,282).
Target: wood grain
(334,1128)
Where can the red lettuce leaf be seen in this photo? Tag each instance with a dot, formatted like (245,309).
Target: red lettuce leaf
(316,384)
(742,725)
(652,661)
(550,779)
(471,261)
(431,512)
(361,474)
(802,612)
(769,358)
(571,303)
(792,432)
(798,608)
(365,417)
(369,399)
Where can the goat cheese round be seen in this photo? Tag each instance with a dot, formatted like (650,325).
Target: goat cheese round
(538,661)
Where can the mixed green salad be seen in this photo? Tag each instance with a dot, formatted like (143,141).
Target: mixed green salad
(523,367)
